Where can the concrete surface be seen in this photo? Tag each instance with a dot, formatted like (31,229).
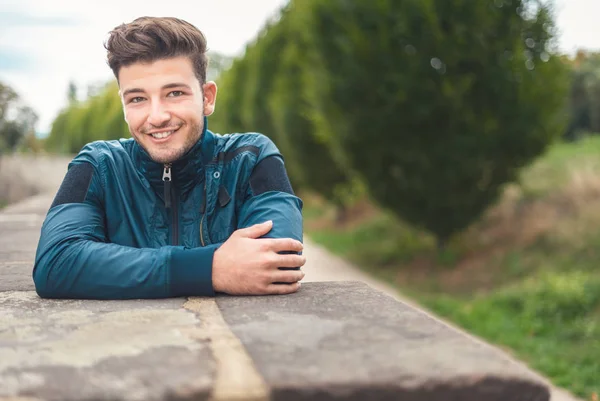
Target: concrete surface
(340,340)
(343,340)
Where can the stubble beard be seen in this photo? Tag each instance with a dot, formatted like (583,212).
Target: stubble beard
(169,154)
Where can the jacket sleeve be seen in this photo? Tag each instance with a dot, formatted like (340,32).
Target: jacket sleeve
(74,258)
(269,196)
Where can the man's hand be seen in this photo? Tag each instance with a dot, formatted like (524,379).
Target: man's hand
(249,265)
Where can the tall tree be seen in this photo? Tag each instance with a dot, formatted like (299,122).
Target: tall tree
(436,104)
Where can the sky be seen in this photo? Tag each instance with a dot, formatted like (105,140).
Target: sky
(45,44)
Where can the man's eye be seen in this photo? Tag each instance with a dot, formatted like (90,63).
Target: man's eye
(136,99)
(176,93)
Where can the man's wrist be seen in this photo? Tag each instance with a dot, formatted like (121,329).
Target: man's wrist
(215,276)
(191,271)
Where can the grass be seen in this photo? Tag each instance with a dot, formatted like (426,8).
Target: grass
(525,277)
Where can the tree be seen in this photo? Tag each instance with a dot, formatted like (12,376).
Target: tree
(72,93)
(309,162)
(436,104)
(228,111)
(7,99)
(99,117)
(16,119)
(584,95)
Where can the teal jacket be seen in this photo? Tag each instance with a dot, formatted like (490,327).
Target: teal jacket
(123,226)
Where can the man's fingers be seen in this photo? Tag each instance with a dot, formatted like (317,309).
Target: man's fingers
(255,231)
(290,260)
(281,289)
(283,245)
(289,276)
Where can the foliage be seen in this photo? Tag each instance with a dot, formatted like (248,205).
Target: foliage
(16,119)
(263,92)
(98,117)
(436,104)
(227,116)
(290,109)
(584,95)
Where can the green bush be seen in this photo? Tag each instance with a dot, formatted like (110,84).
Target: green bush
(227,116)
(584,95)
(435,103)
(308,155)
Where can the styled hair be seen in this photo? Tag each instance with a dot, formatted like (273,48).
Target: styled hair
(148,39)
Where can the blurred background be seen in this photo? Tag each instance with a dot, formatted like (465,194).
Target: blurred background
(449,148)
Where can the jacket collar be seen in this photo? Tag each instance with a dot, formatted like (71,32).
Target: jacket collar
(187,171)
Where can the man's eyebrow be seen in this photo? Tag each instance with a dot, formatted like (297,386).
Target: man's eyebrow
(177,85)
(167,86)
(132,90)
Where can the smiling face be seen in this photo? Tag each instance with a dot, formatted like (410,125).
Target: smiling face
(164,106)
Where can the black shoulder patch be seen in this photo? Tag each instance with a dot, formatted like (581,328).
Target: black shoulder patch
(75,186)
(270,175)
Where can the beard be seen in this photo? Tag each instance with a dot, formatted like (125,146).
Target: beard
(171,151)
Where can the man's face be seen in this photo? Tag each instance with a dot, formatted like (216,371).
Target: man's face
(165,105)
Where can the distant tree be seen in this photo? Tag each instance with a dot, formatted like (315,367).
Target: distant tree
(7,97)
(72,93)
(227,117)
(309,160)
(16,119)
(584,95)
(99,117)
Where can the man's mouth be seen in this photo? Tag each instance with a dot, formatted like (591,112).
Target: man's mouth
(163,134)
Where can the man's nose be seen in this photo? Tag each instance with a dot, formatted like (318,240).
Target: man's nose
(159,115)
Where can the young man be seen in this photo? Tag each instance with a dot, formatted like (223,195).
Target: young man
(177,210)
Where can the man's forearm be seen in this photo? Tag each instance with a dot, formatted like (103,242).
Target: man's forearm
(73,262)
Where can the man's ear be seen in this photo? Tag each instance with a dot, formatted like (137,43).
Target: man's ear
(209,90)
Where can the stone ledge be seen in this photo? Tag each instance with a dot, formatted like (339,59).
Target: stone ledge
(343,340)
(335,340)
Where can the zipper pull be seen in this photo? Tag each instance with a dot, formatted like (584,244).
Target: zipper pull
(167,180)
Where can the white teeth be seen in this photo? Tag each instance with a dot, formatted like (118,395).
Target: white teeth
(161,135)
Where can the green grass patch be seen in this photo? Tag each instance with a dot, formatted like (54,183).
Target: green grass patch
(556,167)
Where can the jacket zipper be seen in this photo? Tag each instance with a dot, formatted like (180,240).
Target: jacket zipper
(171,202)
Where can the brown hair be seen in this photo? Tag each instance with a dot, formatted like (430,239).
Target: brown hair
(148,39)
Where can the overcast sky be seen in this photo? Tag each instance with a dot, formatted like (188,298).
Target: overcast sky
(44,44)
